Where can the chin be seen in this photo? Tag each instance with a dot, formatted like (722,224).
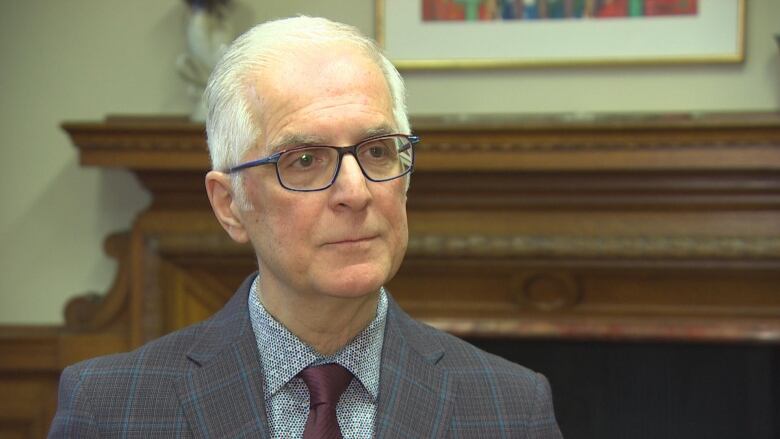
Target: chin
(355,281)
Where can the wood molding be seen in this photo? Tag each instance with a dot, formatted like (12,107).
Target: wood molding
(639,247)
(93,311)
(485,143)
(693,330)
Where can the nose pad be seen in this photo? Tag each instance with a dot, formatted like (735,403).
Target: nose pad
(351,186)
(350,168)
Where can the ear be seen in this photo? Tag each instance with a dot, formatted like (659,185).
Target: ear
(220,191)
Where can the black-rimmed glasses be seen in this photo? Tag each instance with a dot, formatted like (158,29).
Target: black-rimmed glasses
(314,168)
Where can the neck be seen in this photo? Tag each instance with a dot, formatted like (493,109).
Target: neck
(325,323)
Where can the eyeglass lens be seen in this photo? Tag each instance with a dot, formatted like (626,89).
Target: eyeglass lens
(314,168)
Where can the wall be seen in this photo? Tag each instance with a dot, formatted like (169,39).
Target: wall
(84,59)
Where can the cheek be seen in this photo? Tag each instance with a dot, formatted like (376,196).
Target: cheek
(294,222)
(400,236)
(404,231)
(395,213)
(271,215)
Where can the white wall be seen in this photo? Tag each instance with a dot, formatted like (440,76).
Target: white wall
(83,59)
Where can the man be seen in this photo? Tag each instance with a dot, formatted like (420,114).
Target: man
(312,155)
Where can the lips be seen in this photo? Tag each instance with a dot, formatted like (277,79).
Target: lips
(351,240)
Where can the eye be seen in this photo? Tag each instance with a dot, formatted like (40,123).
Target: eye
(308,159)
(304,160)
(377,151)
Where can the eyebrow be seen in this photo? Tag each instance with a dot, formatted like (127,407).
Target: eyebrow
(380,130)
(297,139)
(293,140)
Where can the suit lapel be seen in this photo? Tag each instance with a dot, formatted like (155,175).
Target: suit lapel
(222,396)
(415,395)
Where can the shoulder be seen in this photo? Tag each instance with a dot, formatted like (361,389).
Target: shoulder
(167,353)
(140,385)
(139,390)
(165,358)
(468,361)
(456,355)
(157,363)
(490,391)
(104,390)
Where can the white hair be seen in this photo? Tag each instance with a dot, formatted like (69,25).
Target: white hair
(231,125)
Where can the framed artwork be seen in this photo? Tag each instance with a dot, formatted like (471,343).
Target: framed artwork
(446,34)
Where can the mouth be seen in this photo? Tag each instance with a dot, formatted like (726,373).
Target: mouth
(352,241)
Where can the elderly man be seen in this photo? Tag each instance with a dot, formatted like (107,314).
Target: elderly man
(312,155)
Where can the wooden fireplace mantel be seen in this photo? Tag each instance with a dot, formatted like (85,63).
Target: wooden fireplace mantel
(662,226)
(628,227)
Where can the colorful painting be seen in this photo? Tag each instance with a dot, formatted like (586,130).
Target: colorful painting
(444,34)
(489,10)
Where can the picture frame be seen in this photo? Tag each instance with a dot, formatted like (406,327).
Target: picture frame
(714,34)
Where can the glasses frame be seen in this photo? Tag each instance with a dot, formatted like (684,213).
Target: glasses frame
(340,150)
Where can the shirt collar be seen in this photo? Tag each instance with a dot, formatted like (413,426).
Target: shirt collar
(283,355)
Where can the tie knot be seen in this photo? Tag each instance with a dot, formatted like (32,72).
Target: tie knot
(326,383)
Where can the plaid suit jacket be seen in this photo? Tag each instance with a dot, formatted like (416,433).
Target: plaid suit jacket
(205,381)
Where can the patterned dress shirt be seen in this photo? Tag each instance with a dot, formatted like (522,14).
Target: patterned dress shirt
(283,356)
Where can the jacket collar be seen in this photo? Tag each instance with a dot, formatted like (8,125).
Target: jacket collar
(415,394)
(223,395)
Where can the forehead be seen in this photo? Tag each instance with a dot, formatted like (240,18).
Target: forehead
(308,86)
(297,61)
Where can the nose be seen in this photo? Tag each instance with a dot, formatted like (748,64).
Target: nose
(351,187)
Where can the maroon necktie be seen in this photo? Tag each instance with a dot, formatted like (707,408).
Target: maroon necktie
(326,384)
